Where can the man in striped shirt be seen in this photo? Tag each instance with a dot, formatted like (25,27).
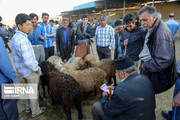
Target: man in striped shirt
(104,38)
(48,35)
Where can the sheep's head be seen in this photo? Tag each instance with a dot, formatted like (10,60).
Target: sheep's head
(46,67)
(83,64)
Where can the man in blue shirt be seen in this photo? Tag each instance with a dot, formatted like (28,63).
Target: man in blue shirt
(36,38)
(8,107)
(173,25)
(119,30)
(47,31)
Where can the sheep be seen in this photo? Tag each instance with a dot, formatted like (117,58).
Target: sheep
(105,64)
(89,79)
(75,63)
(56,60)
(64,89)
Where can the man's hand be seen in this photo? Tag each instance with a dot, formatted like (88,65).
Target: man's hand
(104,93)
(58,54)
(176,100)
(112,87)
(38,71)
(144,68)
(41,37)
(126,42)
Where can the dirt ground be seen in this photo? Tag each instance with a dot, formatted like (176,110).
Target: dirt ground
(163,102)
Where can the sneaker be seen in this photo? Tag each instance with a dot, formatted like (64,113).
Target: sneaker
(28,110)
(164,113)
(42,109)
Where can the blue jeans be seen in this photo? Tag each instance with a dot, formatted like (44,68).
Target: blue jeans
(176,91)
(8,108)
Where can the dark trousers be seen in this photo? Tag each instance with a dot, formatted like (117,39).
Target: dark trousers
(8,108)
(103,52)
(65,55)
(49,52)
(6,45)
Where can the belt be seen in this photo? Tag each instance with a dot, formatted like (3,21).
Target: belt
(102,46)
(36,45)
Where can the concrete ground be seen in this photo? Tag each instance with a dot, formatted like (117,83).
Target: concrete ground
(163,102)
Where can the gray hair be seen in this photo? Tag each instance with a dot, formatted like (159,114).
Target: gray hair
(130,69)
(103,17)
(151,10)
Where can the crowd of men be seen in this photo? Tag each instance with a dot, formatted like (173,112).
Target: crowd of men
(145,43)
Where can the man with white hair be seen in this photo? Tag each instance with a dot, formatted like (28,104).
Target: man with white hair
(158,54)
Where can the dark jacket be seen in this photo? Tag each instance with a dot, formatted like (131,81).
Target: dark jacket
(80,35)
(136,39)
(161,66)
(132,99)
(116,46)
(70,40)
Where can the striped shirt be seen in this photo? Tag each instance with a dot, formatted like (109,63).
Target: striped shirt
(104,37)
(23,54)
(47,37)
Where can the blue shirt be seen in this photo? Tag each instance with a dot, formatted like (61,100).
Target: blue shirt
(7,72)
(23,54)
(173,26)
(119,45)
(47,37)
(65,36)
(35,37)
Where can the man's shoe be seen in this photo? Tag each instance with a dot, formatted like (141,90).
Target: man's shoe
(164,113)
(42,109)
(28,110)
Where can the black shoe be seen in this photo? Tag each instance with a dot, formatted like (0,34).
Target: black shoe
(164,113)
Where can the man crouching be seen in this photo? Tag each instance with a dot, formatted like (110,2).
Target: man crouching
(133,98)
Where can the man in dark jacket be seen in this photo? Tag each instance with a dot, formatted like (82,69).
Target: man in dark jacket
(83,34)
(133,37)
(158,54)
(65,41)
(132,99)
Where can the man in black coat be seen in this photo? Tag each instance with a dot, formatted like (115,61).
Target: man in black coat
(158,54)
(133,98)
(65,41)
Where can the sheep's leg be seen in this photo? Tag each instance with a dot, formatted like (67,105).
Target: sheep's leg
(78,107)
(67,111)
(95,92)
(114,80)
(43,87)
(109,80)
(53,101)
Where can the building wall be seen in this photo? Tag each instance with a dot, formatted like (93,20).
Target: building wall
(163,8)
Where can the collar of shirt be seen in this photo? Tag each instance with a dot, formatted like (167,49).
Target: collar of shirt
(21,33)
(123,79)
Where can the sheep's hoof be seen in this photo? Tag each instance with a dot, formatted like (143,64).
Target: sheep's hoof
(53,103)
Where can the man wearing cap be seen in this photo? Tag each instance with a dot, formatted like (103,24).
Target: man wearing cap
(65,41)
(173,25)
(104,38)
(83,34)
(133,98)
